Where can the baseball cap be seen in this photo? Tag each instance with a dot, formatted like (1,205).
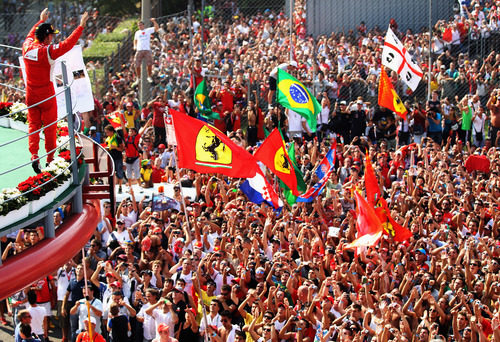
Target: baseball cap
(130,104)
(421,250)
(359,102)
(161,146)
(343,103)
(46,29)
(163,327)
(293,63)
(92,320)
(116,284)
(93,128)
(109,274)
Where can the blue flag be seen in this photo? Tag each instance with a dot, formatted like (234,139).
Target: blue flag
(323,171)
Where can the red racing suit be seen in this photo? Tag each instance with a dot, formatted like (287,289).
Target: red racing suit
(39,60)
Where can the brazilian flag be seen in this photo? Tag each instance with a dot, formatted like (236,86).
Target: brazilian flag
(301,185)
(294,95)
(202,102)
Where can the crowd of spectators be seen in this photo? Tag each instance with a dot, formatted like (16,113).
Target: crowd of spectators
(265,275)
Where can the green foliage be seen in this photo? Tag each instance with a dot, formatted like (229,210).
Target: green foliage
(100,50)
(119,7)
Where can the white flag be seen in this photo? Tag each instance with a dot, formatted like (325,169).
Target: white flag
(395,57)
(169,128)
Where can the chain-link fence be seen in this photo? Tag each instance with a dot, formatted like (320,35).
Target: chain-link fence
(337,46)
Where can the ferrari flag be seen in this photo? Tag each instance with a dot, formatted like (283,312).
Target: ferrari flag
(203,148)
(294,95)
(274,155)
(387,96)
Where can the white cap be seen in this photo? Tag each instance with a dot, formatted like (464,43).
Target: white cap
(293,63)
(92,320)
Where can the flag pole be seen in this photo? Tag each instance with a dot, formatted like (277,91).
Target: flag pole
(203,309)
(87,303)
(291,29)
(430,51)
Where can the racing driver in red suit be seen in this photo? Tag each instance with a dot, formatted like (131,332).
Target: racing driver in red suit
(39,56)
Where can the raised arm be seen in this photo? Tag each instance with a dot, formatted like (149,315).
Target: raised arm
(57,50)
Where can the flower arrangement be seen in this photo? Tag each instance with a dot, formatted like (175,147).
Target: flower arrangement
(55,174)
(66,155)
(5,108)
(41,183)
(21,116)
(59,169)
(7,203)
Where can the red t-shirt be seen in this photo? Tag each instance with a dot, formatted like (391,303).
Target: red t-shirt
(158,113)
(157,174)
(227,100)
(43,295)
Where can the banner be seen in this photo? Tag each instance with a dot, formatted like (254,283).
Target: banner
(169,128)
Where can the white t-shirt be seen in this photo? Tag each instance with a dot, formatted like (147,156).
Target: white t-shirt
(143,38)
(478,122)
(323,115)
(129,219)
(37,315)
(162,317)
(63,279)
(294,122)
(83,313)
(215,321)
(120,237)
(149,323)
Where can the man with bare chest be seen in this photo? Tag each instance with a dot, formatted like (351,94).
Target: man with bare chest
(494,107)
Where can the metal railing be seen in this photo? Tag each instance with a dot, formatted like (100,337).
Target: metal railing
(71,141)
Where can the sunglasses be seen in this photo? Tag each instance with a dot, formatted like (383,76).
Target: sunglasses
(267,329)
(268,317)
(224,320)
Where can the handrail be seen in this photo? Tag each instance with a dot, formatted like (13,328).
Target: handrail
(12,87)
(47,182)
(11,65)
(71,137)
(10,47)
(38,103)
(82,136)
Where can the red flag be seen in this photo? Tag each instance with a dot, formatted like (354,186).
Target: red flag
(448,35)
(203,148)
(367,223)
(371,183)
(114,118)
(273,154)
(391,227)
(387,96)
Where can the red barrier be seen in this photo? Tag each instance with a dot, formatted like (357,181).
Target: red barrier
(48,255)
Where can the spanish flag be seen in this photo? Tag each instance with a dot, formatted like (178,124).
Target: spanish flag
(387,96)
(294,95)
(205,149)
(274,155)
